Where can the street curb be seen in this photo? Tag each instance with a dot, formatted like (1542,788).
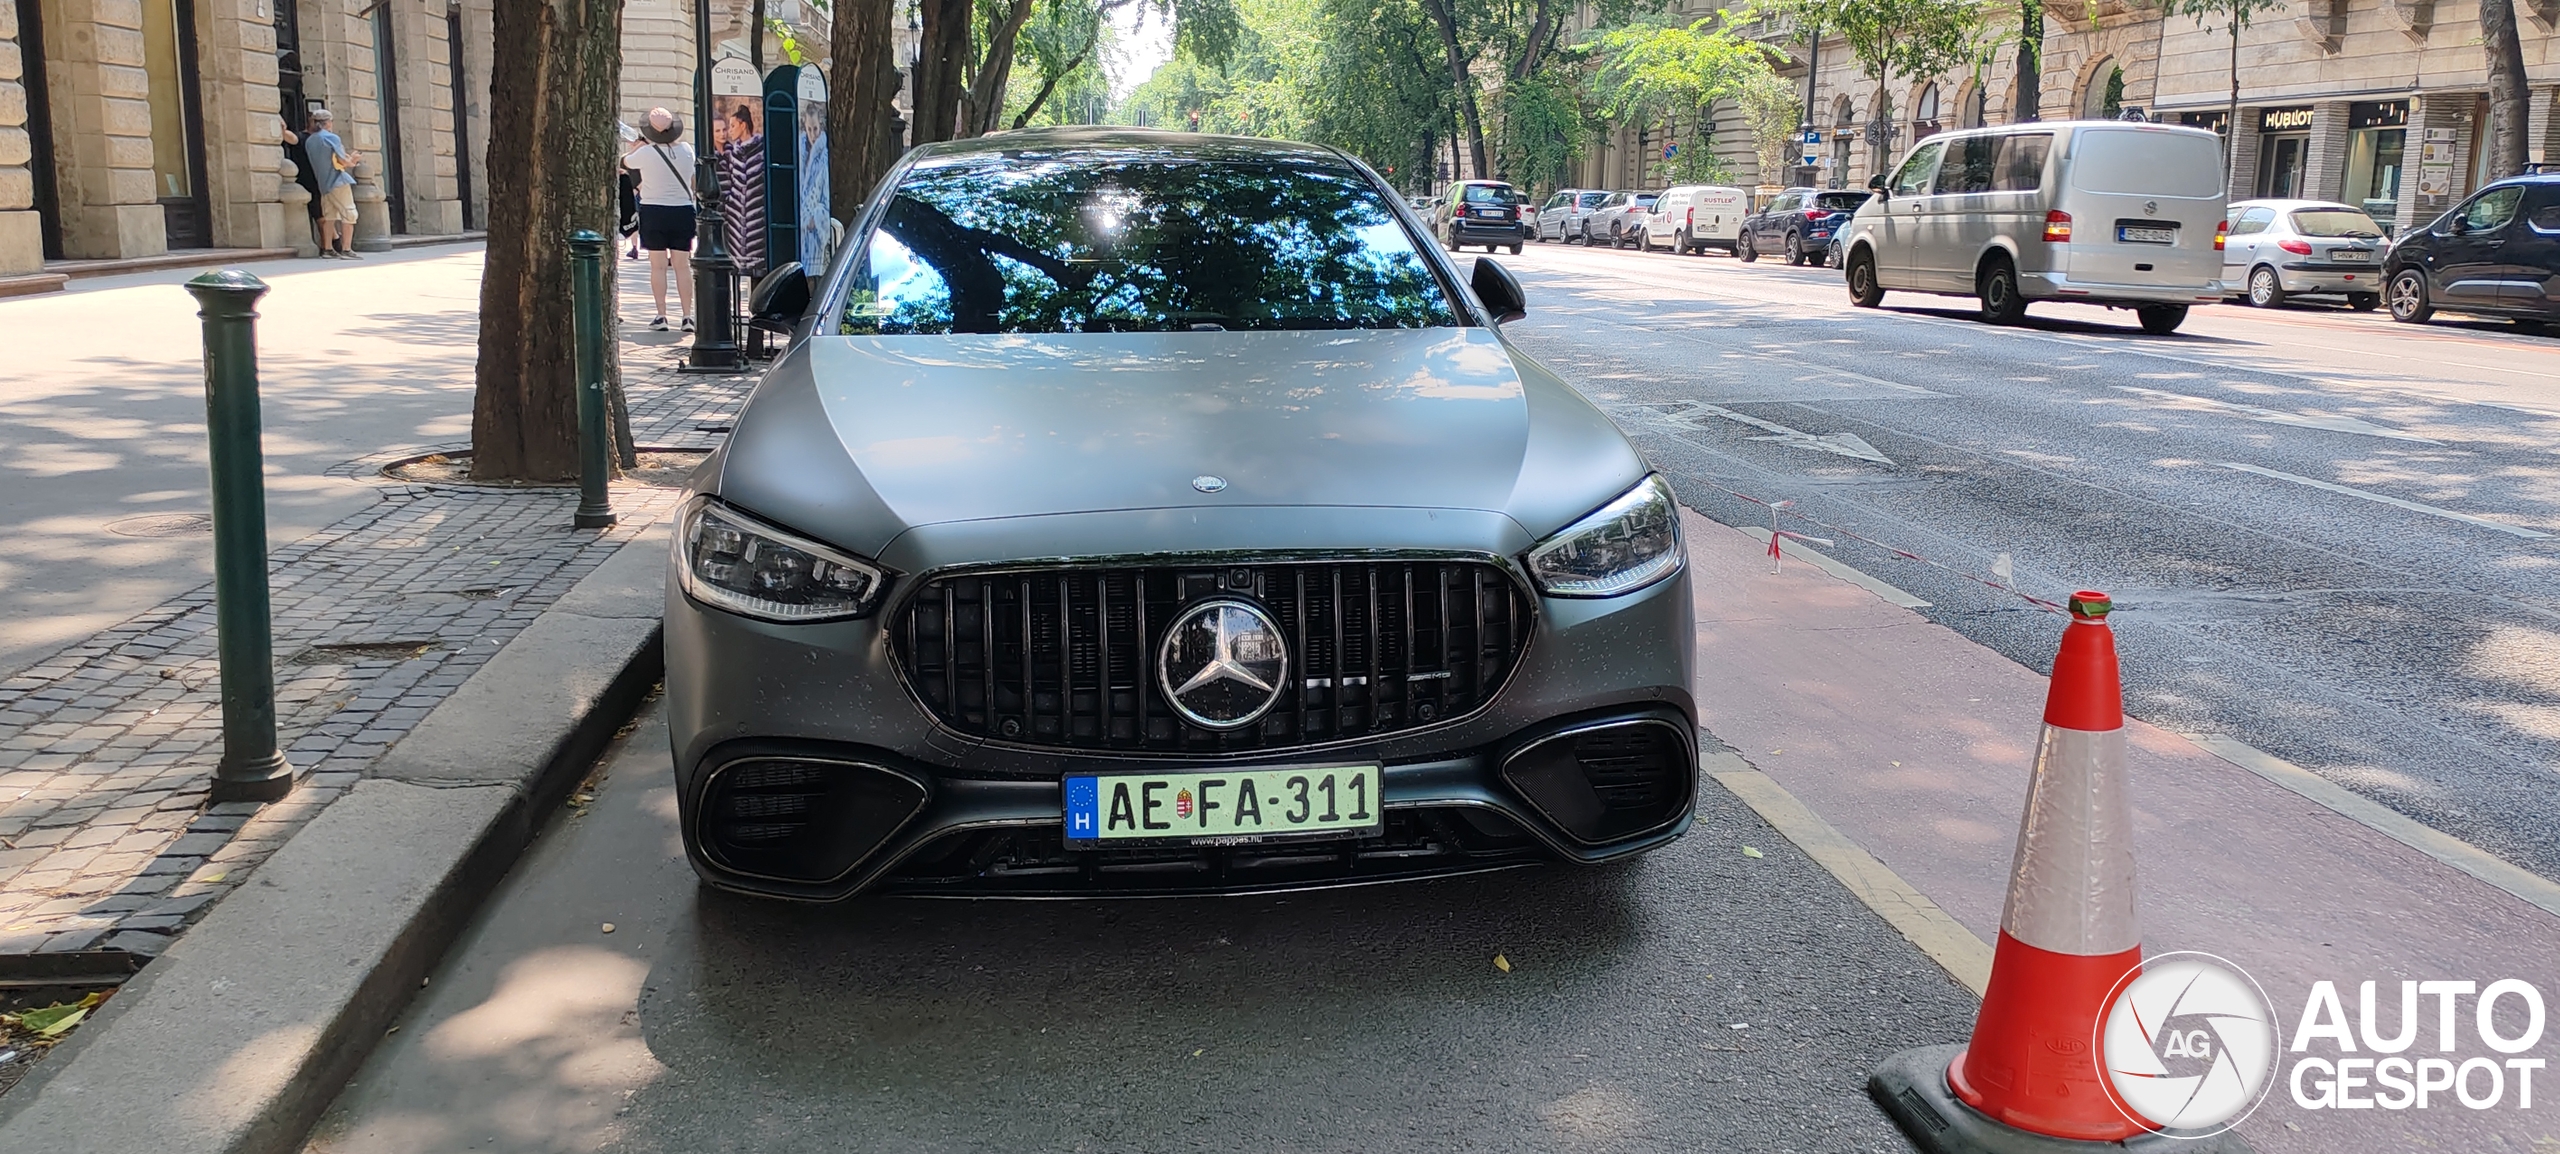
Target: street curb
(238,1038)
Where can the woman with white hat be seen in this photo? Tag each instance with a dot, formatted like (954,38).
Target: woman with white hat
(665,163)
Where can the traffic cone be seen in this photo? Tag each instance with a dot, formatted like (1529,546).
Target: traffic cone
(2030,1080)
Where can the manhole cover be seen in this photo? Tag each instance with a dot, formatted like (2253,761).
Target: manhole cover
(162,525)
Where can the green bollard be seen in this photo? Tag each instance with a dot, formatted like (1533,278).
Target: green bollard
(586,306)
(252,768)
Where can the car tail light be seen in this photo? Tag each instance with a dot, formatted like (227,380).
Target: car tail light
(2221,233)
(2057,228)
(1690,218)
(1815,214)
(2296,247)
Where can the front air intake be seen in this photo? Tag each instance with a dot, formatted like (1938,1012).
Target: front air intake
(1607,781)
(802,820)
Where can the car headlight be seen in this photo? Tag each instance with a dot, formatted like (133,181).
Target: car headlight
(1628,544)
(732,561)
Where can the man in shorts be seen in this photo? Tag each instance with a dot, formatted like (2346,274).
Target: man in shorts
(665,163)
(333,167)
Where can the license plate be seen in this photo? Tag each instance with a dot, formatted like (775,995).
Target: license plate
(2138,234)
(1225,807)
(2350,255)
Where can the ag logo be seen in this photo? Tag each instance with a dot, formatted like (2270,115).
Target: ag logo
(2189,1044)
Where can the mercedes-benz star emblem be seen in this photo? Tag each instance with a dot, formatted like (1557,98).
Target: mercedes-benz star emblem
(1223,663)
(1209,483)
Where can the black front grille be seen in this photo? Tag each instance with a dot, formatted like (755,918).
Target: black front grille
(1065,658)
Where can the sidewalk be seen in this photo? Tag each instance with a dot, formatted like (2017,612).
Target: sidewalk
(107,849)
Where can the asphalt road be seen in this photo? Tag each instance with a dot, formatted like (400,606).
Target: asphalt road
(1697,999)
(2330,536)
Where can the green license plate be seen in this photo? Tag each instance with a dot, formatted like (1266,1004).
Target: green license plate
(1229,807)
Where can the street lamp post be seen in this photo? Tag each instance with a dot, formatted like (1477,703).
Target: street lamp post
(715,275)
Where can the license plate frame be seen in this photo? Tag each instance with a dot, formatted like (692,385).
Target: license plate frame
(2146,234)
(2350,256)
(1172,814)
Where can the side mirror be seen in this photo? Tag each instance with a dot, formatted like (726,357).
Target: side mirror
(1499,290)
(779,299)
(1875,184)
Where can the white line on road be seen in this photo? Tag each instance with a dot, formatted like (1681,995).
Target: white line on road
(2426,839)
(1844,444)
(2412,506)
(2322,421)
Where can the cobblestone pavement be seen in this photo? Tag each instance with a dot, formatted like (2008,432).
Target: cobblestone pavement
(107,845)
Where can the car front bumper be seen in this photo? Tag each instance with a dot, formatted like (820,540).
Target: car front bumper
(935,811)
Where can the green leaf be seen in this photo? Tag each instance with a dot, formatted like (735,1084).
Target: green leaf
(1751,851)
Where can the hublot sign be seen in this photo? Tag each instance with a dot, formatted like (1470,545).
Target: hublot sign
(2284,119)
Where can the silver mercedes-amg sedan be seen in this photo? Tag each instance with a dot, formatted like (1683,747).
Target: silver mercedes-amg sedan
(1151,513)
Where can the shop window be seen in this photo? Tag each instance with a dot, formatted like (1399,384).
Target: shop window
(2376,144)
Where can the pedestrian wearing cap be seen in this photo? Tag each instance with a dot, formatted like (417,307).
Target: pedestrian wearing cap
(333,167)
(665,165)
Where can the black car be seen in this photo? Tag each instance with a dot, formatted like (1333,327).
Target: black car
(1799,223)
(1486,212)
(2496,254)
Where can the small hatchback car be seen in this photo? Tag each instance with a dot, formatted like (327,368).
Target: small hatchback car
(1160,513)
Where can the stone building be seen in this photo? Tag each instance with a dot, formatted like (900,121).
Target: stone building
(2377,102)
(129,128)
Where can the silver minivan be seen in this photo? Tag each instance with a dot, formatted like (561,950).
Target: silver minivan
(2104,212)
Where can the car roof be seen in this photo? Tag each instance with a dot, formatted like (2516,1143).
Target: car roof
(2288,205)
(1186,145)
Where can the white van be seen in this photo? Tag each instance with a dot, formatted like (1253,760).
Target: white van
(1696,217)
(2104,212)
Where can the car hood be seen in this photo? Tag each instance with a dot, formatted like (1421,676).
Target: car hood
(857,439)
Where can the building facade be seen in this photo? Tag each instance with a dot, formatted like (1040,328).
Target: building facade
(2381,103)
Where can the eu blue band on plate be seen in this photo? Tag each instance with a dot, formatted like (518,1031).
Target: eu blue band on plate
(1084,809)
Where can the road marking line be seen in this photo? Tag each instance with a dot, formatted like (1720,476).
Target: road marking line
(1966,958)
(2412,506)
(1843,444)
(2525,885)
(1844,572)
(2331,424)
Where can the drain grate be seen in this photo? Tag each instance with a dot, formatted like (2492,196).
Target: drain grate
(350,652)
(162,525)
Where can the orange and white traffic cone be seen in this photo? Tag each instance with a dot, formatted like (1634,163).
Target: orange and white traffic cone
(2030,1080)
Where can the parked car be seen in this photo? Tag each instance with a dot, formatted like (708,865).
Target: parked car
(1799,223)
(1560,218)
(2495,255)
(1485,212)
(1126,515)
(2280,249)
(1616,219)
(2104,212)
(1691,218)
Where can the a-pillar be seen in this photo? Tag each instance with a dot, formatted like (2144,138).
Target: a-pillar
(100,97)
(21,230)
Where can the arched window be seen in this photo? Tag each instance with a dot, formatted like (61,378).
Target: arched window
(1844,112)
(1924,113)
(2104,97)
(1972,115)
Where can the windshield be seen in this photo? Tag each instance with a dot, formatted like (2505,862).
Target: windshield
(1137,241)
(1489,194)
(2335,222)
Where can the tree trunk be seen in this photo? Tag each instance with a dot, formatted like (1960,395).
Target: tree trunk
(984,111)
(2231,115)
(557,67)
(2509,100)
(1471,118)
(866,90)
(2030,62)
(942,61)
